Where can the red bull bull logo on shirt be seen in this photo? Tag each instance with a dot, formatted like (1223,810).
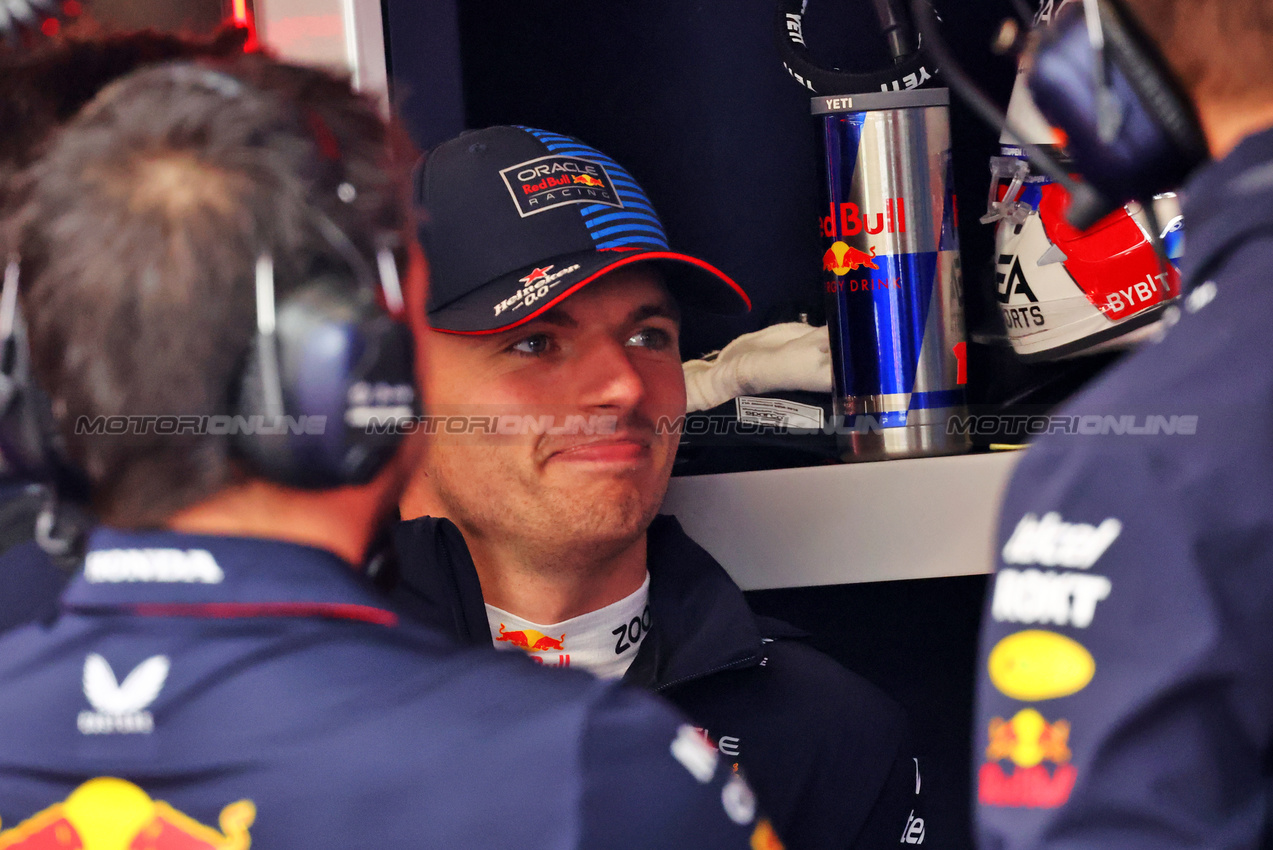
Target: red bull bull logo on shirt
(1027,741)
(532,640)
(112,814)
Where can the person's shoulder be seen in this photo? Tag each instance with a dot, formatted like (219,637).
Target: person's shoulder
(1209,353)
(425,665)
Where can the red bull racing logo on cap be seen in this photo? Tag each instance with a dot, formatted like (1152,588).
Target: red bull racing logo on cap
(112,814)
(553,181)
(1025,743)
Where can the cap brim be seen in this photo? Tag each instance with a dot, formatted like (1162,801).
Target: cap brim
(512,300)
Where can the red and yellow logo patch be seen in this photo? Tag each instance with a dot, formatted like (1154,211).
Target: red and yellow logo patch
(112,814)
(1027,741)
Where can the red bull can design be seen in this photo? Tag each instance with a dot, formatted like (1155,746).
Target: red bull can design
(891,274)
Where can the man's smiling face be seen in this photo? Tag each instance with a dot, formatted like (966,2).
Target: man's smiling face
(589,382)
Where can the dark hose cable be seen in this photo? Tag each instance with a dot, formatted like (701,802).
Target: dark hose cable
(907,71)
(899,32)
(1155,236)
(1085,202)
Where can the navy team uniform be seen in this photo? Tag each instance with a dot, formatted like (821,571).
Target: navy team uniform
(827,752)
(1126,699)
(198,691)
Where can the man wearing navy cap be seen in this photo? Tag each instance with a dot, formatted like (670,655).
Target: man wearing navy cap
(555,386)
(199,257)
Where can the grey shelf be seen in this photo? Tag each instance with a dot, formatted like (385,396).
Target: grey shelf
(897,519)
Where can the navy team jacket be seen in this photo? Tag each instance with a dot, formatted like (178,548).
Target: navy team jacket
(827,752)
(200,692)
(1126,694)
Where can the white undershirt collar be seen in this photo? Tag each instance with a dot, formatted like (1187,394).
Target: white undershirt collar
(603,642)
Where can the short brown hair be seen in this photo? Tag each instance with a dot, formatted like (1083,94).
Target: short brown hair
(1219,48)
(139,234)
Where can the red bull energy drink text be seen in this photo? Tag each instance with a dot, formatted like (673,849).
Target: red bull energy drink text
(891,274)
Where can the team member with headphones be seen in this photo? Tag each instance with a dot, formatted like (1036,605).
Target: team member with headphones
(211,306)
(1126,697)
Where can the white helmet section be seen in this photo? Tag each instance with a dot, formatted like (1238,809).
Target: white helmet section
(1060,296)
(1062,292)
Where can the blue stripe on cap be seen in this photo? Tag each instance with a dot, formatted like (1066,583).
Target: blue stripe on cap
(636,223)
(594,209)
(626,227)
(605,219)
(642,241)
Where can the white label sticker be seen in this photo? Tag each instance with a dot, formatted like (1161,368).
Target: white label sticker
(778,413)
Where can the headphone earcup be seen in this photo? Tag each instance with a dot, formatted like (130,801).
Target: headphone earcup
(345,370)
(1160,140)
(31,449)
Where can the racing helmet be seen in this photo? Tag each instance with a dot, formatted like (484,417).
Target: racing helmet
(1063,292)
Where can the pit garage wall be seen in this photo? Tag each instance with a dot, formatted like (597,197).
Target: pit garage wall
(693,99)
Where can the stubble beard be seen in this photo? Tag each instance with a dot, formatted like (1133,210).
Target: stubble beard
(552,527)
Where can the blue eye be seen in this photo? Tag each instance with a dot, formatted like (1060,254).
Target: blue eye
(533,346)
(654,338)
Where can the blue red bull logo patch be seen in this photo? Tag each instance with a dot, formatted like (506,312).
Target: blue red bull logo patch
(1018,752)
(107,813)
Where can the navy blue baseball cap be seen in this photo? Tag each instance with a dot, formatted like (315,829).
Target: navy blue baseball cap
(515,220)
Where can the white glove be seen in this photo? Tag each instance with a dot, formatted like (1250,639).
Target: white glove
(790,356)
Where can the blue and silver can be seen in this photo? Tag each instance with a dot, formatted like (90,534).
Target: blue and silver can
(891,273)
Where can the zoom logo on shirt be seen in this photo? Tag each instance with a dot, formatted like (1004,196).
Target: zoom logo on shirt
(631,632)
